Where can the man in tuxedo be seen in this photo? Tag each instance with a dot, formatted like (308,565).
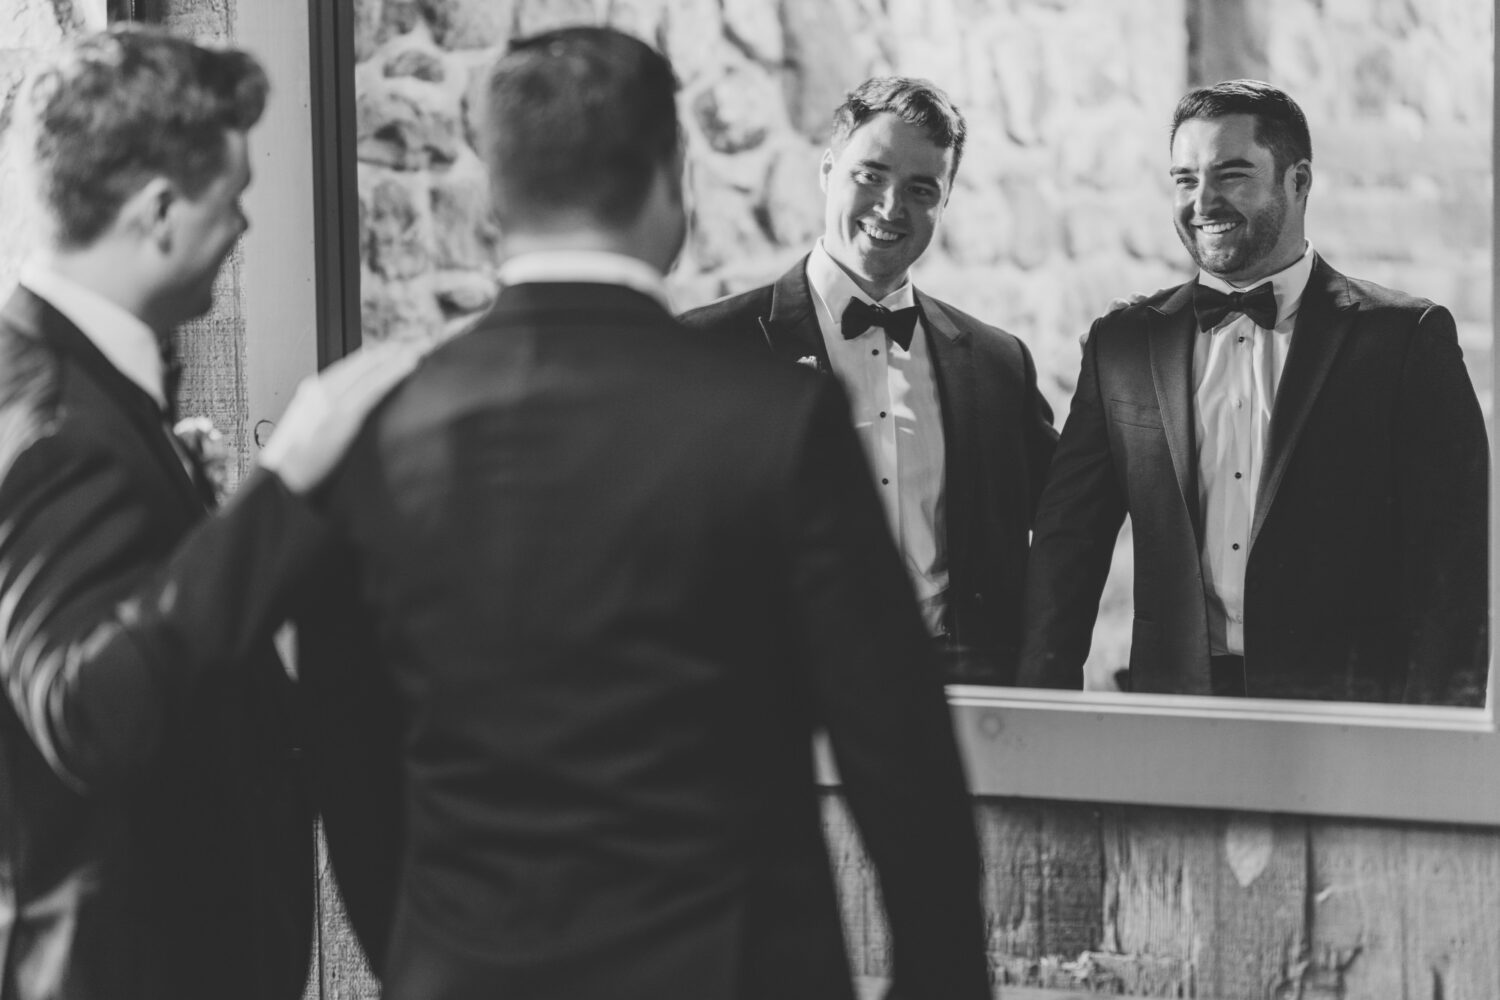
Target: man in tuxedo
(157,838)
(946,407)
(1301,454)
(617,575)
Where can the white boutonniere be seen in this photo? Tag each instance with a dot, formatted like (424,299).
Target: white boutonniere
(812,362)
(208,450)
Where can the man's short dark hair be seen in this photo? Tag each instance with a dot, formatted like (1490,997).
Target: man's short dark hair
(579,119)
(1280,125)
(914,101)
(126,105)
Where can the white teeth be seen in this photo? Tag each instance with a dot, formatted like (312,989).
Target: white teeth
(1216,228)
(875,233)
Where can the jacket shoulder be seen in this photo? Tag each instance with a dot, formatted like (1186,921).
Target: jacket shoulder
(1374,297)
(986,334)
(730,313)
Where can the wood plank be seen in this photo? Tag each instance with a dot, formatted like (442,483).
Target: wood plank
(1405,911)
(1205,903)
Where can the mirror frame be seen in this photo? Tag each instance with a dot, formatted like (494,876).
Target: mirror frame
(1419,763)
(1351,759)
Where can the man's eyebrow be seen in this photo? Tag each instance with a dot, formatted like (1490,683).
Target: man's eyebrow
(1237,163)
(873,164)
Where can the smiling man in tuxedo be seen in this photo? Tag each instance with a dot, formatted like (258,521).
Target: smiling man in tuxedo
(157,838)
(946,406)
(616,575)
(1301,454)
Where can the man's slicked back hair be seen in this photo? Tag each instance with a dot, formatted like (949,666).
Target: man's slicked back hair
(126,105)
(915,101)
(1280,125)
(579,119)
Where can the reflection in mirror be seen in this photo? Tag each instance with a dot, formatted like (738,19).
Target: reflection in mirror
(1062,202)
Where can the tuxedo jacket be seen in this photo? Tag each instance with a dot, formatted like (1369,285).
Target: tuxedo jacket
(613,577)
(997,437)
(1366,573)
(154,837)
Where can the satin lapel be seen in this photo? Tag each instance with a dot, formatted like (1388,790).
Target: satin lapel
(791,328)
(952,352)
(1171,332)
(1323,321)
(30,312)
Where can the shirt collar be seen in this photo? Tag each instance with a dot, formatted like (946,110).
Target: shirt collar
(125,341)
(600,267)
(834,288)
(1289,283)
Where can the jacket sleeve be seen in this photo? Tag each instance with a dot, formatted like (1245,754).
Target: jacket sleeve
(353,749)
(100,640)
(1443,494)
(1073,540)
(880,696)
(1038,435)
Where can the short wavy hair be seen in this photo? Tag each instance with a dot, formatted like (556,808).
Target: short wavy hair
(915,101)
(125,105)
(1280,125)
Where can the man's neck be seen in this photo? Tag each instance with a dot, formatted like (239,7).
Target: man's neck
(108,276)
(876,290)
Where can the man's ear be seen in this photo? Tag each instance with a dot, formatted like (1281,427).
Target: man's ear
(824,169)
(1301,178)
(147,214)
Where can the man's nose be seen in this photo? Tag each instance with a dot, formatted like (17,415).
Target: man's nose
(891,204)
(1205,197)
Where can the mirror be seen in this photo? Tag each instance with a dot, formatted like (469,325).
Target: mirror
(1062,202)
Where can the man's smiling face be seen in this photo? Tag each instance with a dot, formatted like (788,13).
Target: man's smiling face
(1237,218)
(885,189)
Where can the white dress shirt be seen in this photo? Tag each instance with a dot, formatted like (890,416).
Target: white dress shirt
(899,421)
(1236,370)
(124,340)
(598,267)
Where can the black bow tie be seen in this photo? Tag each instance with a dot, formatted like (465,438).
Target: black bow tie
(1258,306)
(898,324)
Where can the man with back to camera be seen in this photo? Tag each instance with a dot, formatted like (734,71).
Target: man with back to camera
(157,842)
(617,574)
(946,407)
(1301,454)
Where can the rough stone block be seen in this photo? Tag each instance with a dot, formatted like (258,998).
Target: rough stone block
(396,228)
(739,109)
(465,234)
(794,203)
(369,16)
(463,293)
(754,26)
(830,49)
(37,24)
(535,16)
(417,63)
(399,310)
(691,33)
(405,123)
(470,24)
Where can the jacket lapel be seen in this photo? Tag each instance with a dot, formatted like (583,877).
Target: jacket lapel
(791,328)
(1323,321)
(951,350)
(30,312)
(1171,330)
